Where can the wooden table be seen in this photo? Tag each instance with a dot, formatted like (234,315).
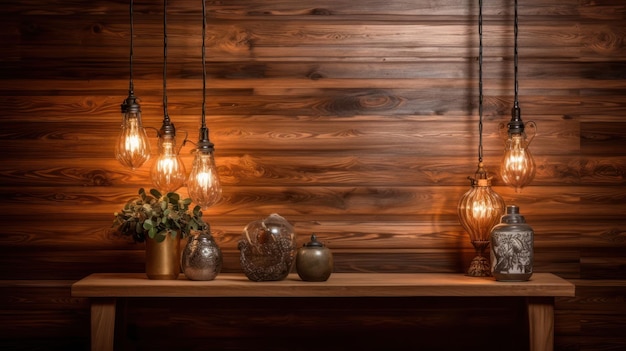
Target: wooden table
(104,288)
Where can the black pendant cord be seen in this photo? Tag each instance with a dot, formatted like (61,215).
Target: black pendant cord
(131,85)
(204,144)
(167,128)
(480,81)
(131,103)
(203,124)
(515,125)
(515,60)
(166,116)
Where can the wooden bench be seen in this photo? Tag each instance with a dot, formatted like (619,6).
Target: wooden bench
(103,290)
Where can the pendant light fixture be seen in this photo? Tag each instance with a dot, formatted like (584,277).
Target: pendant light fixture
(133,147)
(204,184)
(517,167)
(480,208)
(168,170)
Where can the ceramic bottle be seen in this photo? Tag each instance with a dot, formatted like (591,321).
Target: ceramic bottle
(314,261)
(512,247)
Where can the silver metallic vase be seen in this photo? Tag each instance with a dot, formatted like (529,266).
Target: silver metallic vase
(202,258)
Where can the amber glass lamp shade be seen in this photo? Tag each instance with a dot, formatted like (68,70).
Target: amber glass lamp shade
(480,208)
(517,168)
(204,184)
(168,170)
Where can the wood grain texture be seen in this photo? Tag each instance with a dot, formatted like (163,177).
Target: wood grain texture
(360,323)
(103,289)
(103,315)
(541,313)
(355,121)
(338,285)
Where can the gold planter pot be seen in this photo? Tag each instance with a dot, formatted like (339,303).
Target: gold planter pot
(163,258)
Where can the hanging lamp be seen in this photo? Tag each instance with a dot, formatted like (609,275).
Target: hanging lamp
(168,170)
(132,149)
(204,184)
(517,168)
(480,208)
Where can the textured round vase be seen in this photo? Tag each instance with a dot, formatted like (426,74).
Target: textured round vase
(202,258)
(512,247)
(163,258)
(268,249)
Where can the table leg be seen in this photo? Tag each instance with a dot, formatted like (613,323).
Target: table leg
(102,324)
(541,323)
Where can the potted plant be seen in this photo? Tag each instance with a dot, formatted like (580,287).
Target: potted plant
(156,215)
(161,221)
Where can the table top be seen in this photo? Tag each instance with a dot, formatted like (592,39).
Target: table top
(338,285)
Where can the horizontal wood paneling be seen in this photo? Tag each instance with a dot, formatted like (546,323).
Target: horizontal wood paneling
(220,320)
(41,315)
(355,121)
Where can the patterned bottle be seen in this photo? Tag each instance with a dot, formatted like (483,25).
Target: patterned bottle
(512,249)
(202,258)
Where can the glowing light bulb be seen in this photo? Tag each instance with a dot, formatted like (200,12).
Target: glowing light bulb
(204,184)
(168,170)
(133,147)
(518,166)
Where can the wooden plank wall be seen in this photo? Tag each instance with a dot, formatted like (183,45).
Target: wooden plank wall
(355,120)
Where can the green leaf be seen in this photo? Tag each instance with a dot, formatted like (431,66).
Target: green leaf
(193,225)
(155,193)
(142,194)
(159,237)
(197,211)
(152,232)
(174,197)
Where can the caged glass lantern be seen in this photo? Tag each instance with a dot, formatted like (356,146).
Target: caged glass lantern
(480,209)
